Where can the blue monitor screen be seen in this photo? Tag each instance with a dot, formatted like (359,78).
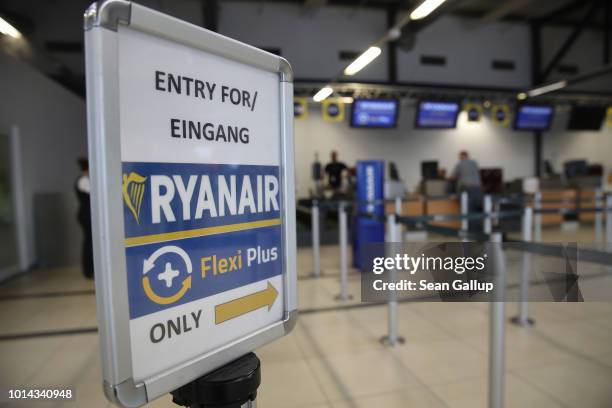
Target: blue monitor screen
(437,115)
(374,113)
(533,117)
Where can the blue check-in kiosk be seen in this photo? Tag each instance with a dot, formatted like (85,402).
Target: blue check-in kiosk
(370,187)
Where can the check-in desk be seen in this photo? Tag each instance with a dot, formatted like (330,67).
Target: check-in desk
(567,199)
(411,206)
(444,205)
(557,199)
(588,200)
(417,205)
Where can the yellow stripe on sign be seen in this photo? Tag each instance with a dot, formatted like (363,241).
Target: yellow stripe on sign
(200,232)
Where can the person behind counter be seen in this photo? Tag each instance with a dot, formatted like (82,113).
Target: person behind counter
(466,175)
(334,170)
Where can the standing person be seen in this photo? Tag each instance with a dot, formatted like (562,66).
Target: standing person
(334,170)
(317,174)
(83,188)
(467,176)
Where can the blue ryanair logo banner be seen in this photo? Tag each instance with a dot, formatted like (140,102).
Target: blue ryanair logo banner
(174,197)
(196,230)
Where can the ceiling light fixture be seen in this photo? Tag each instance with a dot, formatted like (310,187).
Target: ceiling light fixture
(425,8)
(364,59)
(547,88)
(323,93)
(7,29)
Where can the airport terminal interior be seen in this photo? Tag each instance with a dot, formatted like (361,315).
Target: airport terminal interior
(455,125)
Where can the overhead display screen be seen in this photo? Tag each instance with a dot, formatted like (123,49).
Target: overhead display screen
(374,113)
(437,114)
(586,118)
(533,117)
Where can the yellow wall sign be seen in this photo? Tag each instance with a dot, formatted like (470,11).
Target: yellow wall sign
(501,115)
(474,111)
(300,108)
(333,110)
(609,117)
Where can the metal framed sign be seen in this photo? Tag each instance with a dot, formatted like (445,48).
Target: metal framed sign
(193,207)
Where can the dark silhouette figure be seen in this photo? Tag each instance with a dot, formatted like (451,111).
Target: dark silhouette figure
(82,187)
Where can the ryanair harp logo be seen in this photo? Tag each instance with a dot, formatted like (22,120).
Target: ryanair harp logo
(133,190)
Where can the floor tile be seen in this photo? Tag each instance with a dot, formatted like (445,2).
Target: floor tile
(349,376)
(473,393)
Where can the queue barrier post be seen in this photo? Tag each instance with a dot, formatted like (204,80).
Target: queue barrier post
(537,205)
(496,327)
(343,238)
(316,239)
(487,206)
(523,318)
(599,204)
(464,211)
(398,212)
(392,338)
(608,219)
(398,205)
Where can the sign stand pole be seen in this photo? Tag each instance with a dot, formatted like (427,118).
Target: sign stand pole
(232,386)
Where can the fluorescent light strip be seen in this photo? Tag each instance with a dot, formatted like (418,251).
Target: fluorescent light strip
(425,8)
(364,59)
(547,88)
(7,29)
(323,93)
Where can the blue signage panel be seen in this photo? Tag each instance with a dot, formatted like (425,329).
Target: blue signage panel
(196,230)
(370,194)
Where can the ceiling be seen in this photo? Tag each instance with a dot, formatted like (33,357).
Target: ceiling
(54,34)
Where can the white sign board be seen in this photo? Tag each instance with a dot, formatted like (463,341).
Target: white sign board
(191,158)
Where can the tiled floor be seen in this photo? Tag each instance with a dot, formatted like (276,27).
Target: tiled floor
(333,358)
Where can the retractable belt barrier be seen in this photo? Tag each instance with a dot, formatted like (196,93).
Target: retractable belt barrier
(528,214)
(564,211)
(531,211)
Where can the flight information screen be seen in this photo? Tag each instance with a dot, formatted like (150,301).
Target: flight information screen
(374,113)
(533,117)
(437,115)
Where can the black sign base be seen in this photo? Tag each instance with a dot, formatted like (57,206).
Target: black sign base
(231,386)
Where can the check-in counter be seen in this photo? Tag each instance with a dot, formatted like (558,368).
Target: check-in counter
(568,199)
(417,205)
(587,200)
(411,206)
(557,199)
(444,205)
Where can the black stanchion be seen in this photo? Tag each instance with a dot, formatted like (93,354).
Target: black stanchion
(232,386)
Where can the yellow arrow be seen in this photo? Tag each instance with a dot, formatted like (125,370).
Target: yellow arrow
(245,304)
(165,300)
